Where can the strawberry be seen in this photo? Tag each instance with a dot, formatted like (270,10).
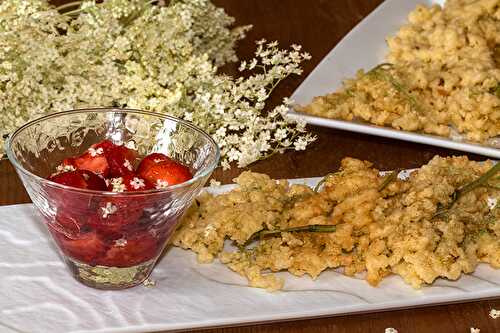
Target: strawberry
(86,248)
(80,179)
(166,173)
(70,161)
(114,216)
(129,183)
(120,159)
(151,160)
(93,160)
(73,205)
(70,178)
(94,182)
(130,251)
(66,224)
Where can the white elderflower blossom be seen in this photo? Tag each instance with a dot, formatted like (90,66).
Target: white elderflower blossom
(95,152)
(121,242)
(128,165)
(161,184)
(131,145)
(494,313)
(109,209)
(117,184)
(137,183)
(174,72)
(301,143)
(65,168)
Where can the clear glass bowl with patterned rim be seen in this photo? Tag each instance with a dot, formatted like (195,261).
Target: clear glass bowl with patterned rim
(109,240)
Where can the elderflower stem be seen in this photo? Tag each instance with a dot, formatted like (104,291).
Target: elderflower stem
(389,179)
(479,182)
(68,5)
(73,12)
(381,72)
(322,228)
(323,180)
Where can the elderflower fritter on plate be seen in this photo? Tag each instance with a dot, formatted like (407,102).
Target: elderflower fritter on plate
(381,227)
(138,55)
(443,77)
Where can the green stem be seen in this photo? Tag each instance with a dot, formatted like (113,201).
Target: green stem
(384,66)
(68,5)
(322,181)
(306,228)
(479,182)
(389,179)
(381,72)
(73,12)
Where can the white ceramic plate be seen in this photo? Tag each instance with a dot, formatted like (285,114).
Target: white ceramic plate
(38,295)
(365,47)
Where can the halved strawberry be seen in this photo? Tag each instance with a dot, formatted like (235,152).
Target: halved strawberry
(80,179)
(113,216)
(73,205)
(130,251)
(70,178)
(66,224)
(94,182)
(166,173)
(121,160)
(93,160)
(86,248)
(151,160)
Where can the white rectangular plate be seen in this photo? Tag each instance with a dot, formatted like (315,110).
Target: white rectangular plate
(38,294)
(365,47)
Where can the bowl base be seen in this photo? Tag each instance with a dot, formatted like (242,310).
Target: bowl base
(110,278)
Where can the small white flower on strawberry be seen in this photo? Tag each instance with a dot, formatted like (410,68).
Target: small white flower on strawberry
(65,168)
(161,184)
(120,242)
(118,185)
(108,210)
(137,183)
(94,152)
(128,165)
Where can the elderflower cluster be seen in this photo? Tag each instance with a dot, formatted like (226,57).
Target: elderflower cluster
(131,53)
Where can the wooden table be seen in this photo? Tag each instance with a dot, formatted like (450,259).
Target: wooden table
(318,25)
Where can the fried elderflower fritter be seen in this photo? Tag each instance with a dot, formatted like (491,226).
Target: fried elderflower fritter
(381,225)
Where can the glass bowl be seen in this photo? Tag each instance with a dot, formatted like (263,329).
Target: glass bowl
(109,240)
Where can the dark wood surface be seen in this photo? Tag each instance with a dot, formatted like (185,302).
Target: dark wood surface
(319,25)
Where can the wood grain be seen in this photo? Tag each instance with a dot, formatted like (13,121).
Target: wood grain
(319,25)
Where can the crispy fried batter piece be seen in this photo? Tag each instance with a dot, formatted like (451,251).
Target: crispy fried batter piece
(444,76)
(389,230)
